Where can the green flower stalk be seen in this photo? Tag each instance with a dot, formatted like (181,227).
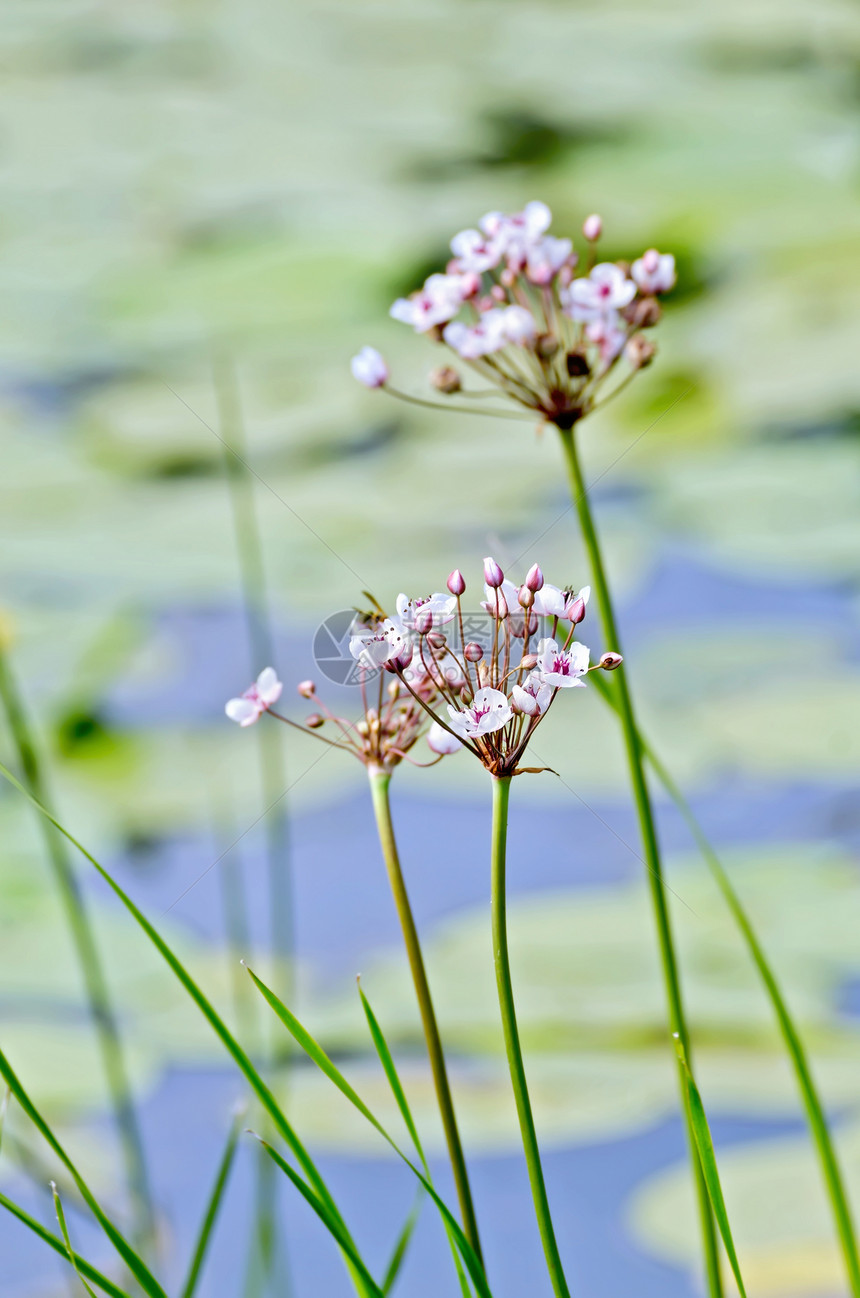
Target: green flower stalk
(381,739)
(558,336)
(488,699)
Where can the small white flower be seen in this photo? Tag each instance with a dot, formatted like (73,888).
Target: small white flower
(654,272)
(609,334)
(520,228)
(550,601)
(518,326)
(475,252)
(265,691)
(369,368)
(489,711)
(373,646)
(441,740)
(607,289)
(545,259)
(511,595)
(440,606)
(473,341)
(561,668)
(534,695)
(437,302)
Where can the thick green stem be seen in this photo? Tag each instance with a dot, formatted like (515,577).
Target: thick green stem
(650,846)
(379,782)
(501,793)
(95,983)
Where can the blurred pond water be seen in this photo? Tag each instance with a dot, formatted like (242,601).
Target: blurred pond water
(256,182)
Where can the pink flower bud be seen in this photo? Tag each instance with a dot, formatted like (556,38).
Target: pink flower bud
(575,610)
(314,721)
(473,653)
(369,368)
(436,640)
(493,574)
(307,689)
(534,578)
(610,661)
(651,261)
(592,227)
(528,662)
(456,582)
(423,621)
(500,605)
(525,597)
(498,294)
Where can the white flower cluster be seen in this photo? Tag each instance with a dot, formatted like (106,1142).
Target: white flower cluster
(512,285)
(494,701)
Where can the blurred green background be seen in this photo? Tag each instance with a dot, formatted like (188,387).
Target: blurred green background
(213,189)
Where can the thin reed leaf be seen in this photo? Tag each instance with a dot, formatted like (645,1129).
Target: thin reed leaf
(4,1106)
(222,1176)
(61,1218)
(316,1053)
(392,1271)
(708,1161)
(132,1259)
(87,953)
(816,1118)
(261,1090)
(330,1221)
(390,1070)
(83,1267)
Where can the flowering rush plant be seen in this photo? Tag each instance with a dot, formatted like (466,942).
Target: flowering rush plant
(490,700)
(461,695)
(546,326)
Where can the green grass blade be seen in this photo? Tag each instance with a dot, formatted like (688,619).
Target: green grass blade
(387,1062)
(83,937)
(392,1271)
(212,1208)
(708,1160)
(4,1105)
(329,1220)
(816,1118)
(794,1045)
(61,1219)
(208,1011)
(133,1261)
(390,1070)
(316,1053)
(83,1267)
(261,1090)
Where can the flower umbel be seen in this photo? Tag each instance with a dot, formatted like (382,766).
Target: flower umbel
(489,703)
(393,720)
(518,307)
